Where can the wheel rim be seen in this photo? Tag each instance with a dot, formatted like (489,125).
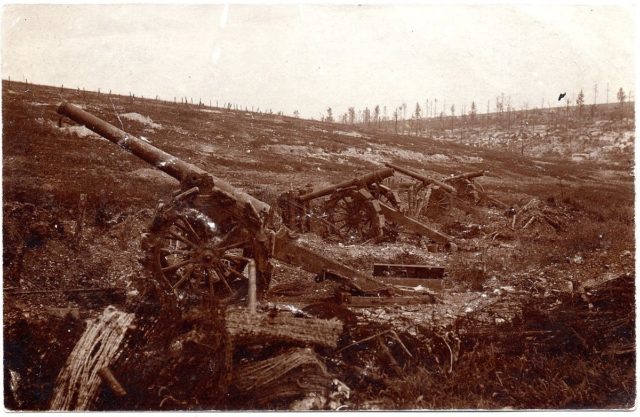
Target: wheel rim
(352,218)
(192,257)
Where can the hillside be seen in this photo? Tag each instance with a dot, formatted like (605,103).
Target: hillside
(603,132)
(573,230)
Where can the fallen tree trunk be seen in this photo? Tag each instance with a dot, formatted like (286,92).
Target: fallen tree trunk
(246,328)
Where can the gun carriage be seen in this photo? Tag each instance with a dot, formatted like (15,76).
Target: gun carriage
(356,211)
(431,197)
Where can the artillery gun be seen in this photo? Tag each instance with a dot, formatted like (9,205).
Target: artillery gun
(202,240)
(465,185)
(351,212)
(431,197)
(359,210)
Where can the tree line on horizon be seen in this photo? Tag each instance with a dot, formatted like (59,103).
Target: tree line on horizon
(431,116)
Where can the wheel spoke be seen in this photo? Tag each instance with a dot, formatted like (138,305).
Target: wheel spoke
(195,234)
(166,281)
(185,276)
(234,272)
(212,291)
(233,257)
(169,251)
(224,281)
(182,239)
(234,246)
(186,226)
(177,266)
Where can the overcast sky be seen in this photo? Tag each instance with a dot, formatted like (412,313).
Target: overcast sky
(313,57)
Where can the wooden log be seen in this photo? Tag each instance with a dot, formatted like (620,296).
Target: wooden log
(261,374)
(247,328)
(110,380)
(356,301)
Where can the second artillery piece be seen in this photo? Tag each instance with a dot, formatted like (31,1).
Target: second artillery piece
(432,197)
(355,211)
(200,242)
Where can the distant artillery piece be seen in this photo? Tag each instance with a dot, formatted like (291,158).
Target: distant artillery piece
(431,197)
(351,212)
(355,211)
(466,187)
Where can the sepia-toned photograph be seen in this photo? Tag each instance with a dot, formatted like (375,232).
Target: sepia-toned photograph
(337,207)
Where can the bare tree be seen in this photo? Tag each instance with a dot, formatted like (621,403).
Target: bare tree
(580,103)
(352,115)
(395,116)
(329,117)
(473,112)
(453,112)
(376,114)
(366,115)
(621,96)
(499,108)
(417,113)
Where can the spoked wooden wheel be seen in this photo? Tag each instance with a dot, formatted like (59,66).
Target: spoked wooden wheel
(353,217)
(439,203)
(192,257)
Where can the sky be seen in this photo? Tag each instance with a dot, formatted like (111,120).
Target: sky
(311,57)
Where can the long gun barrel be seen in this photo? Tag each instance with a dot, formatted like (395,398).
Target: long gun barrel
(466,176)
(180,170)
(373,177)
(423,178)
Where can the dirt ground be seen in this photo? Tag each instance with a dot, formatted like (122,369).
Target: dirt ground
(536,311)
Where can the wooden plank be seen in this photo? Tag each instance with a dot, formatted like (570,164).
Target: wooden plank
(432,284)
(414,225)
(385,301)
(408,271)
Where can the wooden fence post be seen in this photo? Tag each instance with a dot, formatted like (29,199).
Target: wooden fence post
(82,208)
